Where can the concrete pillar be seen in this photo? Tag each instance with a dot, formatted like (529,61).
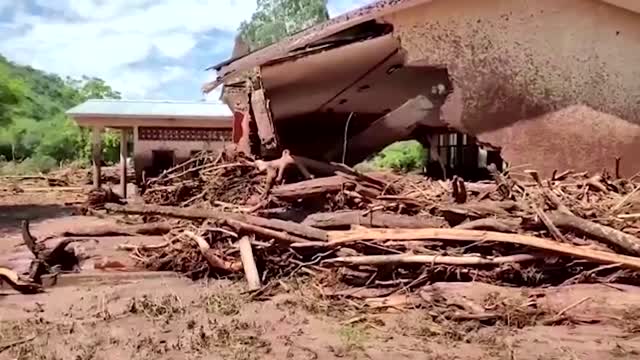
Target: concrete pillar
(124,138)
(96,155)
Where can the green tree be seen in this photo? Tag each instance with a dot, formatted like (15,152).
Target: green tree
(276,19)
(35,132)
(11,94)
(96,88)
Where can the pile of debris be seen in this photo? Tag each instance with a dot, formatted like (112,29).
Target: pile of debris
(68,179)
(273,219)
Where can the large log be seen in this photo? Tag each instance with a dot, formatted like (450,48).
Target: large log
(605,234)
(274,234)
(371,219)
(121,230)
(288,226)
(338,238)
(314,187)
(377,260)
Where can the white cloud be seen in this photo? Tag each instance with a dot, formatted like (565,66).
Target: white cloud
(175,45)
(115,39)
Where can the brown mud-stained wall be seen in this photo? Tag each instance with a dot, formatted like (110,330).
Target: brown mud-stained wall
(576,135)
(521,59)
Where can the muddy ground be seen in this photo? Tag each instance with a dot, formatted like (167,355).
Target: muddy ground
(130,315)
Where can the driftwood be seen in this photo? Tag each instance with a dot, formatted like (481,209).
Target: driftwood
(608,235)
(551,199)
(22,286)
(456,214)
(275,168)
(214,260)
(249,264)
(377,260)
(309,188)
(197,214)
(327,185)
(548,223)
(370,219)
(274,234)
(338,238)
(46,259)
(459,190)
(121,230)
(506,226)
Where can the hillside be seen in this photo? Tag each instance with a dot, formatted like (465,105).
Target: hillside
(34,129)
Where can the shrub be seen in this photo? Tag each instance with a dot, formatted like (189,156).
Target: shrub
(401,156)
(33,165)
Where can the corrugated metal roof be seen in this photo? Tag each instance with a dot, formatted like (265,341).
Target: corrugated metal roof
(150,108)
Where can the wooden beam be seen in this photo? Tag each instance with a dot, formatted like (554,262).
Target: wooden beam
(264,122)
(96,154)
(394,126)
(124,138)
(339,238)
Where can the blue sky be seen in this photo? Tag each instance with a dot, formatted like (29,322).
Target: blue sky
(155,49)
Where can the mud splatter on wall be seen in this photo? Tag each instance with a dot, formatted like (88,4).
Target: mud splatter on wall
(521,59)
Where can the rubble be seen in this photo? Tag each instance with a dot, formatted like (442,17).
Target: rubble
(388,229)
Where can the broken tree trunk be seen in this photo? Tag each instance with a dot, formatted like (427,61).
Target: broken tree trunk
(23,287)
(371,219)
(214,260)
(314,187)
(249,264)
(338,238)
(275,169)
(288,226)
(122,230)
(277,235)
(608,235)
(505,226)
(377,260)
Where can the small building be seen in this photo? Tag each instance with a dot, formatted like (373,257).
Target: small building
(164,132)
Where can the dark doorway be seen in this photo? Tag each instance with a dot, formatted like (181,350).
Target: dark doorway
(161,160)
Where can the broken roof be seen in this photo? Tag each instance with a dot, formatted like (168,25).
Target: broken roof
(307,38)
(310,38)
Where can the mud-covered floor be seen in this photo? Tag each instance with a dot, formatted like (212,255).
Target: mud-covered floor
(173,318)
(125,315)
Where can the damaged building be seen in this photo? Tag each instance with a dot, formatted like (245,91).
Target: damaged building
(546,84)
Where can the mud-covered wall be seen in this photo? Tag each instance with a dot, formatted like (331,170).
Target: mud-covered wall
(515,61)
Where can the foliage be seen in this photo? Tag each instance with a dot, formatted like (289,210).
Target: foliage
(402,155)
(276,19)
(32,165)
(34,129)
(11,94)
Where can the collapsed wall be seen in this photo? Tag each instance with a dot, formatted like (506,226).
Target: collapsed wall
(551,83)
(519,66)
